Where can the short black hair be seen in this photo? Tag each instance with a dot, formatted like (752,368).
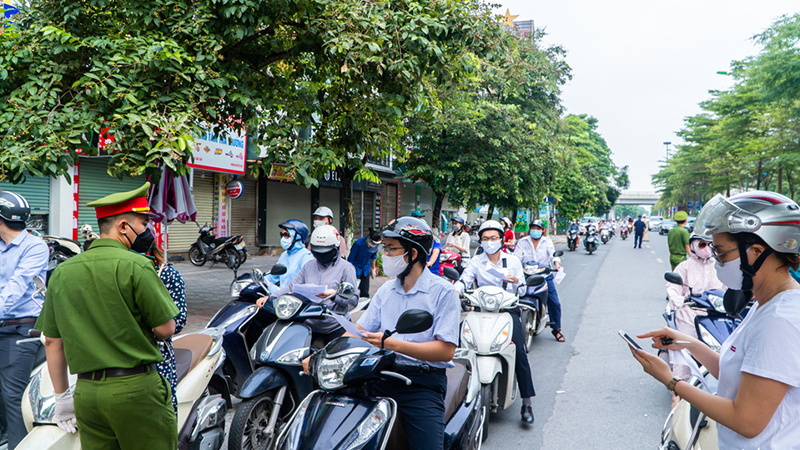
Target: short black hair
(14,226)
(422,257)
(106,223)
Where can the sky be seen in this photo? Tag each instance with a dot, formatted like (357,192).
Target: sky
(640,67)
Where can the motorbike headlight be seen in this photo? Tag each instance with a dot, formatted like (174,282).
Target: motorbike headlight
(718,303)
(709,338)
(490,302)
(330,372)
(502,337)
(376,419)
(467,337)
(294,357)
(532,270)
(245,312)
(442,257)
(237,286)
(286,306)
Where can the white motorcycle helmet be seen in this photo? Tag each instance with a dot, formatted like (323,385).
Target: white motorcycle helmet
(324,244)
(491,225)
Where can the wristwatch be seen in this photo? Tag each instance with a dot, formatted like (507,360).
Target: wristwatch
(672,383)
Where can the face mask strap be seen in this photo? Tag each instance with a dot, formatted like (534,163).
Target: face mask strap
(748,270)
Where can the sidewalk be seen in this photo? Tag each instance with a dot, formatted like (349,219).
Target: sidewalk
(208,288)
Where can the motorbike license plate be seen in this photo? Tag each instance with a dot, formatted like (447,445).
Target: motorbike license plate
(240,246)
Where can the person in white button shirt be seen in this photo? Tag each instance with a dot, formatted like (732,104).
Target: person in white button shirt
(459,241)
(757,406)
(538,248)
(491,236)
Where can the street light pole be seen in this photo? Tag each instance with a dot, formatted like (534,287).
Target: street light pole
(667,144)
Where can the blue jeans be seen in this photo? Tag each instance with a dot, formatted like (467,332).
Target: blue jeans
(553,303)
(637,238)
(16,363)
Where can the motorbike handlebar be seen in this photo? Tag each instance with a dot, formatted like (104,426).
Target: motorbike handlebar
(411,367)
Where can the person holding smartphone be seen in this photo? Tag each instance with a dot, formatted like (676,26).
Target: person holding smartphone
(756,240)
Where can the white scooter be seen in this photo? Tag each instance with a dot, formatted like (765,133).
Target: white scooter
(201,414)
(686,428)
(488,333)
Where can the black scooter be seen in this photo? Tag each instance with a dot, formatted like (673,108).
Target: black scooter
(590,241)
(343,415)
(229,250)
(243,322)
(534,303)
(572,240)
(272,392)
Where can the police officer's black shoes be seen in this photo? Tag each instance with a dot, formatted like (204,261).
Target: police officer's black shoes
(527,414)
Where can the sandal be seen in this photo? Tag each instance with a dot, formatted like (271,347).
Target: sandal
(558,335)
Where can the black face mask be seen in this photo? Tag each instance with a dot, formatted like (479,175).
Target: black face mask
(143,241)
(326,258)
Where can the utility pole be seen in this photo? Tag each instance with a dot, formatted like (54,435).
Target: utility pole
(667,144)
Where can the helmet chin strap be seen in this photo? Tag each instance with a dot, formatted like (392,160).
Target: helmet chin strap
(749,270)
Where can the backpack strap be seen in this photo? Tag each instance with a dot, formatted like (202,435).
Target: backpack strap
(505,265)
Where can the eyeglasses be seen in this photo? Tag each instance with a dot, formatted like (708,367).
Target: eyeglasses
(285,234)
(718,256)
(492,238)
(387,250)
(702,244)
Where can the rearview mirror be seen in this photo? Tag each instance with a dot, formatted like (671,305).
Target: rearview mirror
(673,278)
(450,273)
(39,284)
(414,321)
(257,275)
(534,280)
(278,269)
(559,253)
(346,290)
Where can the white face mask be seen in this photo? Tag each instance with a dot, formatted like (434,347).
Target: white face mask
(730,274)
(394,265)
(491,247)
(319,223)
(286,243)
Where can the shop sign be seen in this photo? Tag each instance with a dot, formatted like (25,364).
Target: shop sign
(234,189)
(220,149)
(281,172)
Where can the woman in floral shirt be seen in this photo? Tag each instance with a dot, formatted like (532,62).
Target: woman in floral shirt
(177,290)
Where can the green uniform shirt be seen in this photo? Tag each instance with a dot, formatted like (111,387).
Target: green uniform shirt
(104,304)
(677,240)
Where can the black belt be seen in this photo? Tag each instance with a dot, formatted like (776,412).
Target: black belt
(115,372)
(12,322)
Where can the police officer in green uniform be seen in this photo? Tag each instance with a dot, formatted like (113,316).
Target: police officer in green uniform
(104,310)
(678,240)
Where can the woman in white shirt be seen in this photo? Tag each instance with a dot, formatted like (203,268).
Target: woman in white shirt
(756,240)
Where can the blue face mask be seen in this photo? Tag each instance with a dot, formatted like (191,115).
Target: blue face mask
(536,234)
(288,242)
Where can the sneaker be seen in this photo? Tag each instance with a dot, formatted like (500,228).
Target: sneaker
(527,414)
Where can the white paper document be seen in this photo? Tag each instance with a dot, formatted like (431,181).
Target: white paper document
(559,276)
(310,291)
(684,358)
(494,272)
(348,326)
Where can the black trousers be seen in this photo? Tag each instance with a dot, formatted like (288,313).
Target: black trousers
(522,367)
(16,363)
(637,239)
(327,337)
(421,406)
(363,287)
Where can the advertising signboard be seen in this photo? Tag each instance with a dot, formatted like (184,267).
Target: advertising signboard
(221,149)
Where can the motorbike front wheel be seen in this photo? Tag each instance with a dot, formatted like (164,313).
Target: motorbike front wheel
(196,256)
(232,259)
(249,425)
(486,397)
(528,329)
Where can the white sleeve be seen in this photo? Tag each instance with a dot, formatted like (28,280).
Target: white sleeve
(767,354)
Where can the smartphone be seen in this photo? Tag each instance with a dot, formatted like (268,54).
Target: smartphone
(629,340)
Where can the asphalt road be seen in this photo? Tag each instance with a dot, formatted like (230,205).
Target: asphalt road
(591,393)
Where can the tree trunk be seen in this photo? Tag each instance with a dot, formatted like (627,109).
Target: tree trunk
(347,175)
(489,214)
(437,209)
(514,216)
(791,183)
(780,180)
(758,179)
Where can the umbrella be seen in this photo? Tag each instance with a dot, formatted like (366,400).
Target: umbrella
(171,199)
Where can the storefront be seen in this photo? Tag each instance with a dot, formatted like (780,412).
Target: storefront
(242,210)
(183,235)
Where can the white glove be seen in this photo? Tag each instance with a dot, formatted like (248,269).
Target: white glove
(65,412)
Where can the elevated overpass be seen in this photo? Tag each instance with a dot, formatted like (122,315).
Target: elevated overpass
(638,198)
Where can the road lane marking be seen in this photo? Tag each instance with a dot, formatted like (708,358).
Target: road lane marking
(659,260)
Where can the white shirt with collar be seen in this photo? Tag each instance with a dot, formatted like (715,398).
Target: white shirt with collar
(478,270)
(542,253)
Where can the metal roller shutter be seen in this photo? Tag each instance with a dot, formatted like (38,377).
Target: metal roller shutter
(243,212)
(183,235)
(96,183)
(368,213)
(330,197)
(358,213)
(388,203)
(285,201)
(408,199)
(36,191)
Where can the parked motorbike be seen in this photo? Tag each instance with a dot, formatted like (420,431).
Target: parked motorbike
(230,250)
(201,413)
(488,333)
(686,428)
(272,392)
(590,241)
(623,232)
(343,415)
(573,238)
(534,302)
(243,322)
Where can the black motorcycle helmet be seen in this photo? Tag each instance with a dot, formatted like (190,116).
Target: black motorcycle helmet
(14,209)
(412,233)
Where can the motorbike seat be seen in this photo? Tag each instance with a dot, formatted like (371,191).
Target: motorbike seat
(189,351)
(457,384)
(357,315)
